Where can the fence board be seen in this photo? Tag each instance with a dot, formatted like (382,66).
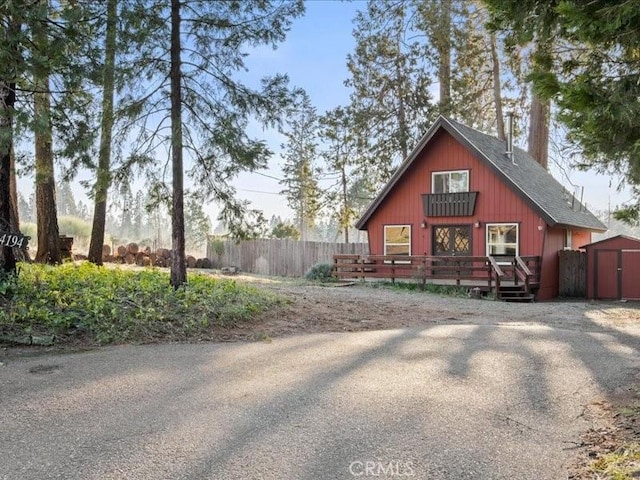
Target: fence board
(573,274)
(281,257)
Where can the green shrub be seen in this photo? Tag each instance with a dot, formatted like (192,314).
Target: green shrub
(74,227)
(30,230)
(322,272)
(117,305)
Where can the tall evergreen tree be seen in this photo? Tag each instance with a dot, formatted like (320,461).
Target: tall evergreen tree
(103,171)
(390,78)
(65,200)
(39,75)
(208,109)
(11,21)
(47,216)
(534,24)
(300,172)
(403,47)
(197,224)
(341,154)
(594,78)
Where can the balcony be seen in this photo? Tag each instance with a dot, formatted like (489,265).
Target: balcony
(459,204)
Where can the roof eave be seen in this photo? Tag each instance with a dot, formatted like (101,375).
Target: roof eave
(364,219)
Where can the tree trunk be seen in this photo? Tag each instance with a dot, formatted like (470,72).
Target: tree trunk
(538,144)
(345,206)
(497,87)
(178,266)
(103,174)
(444,64)
(46,213)
(7,101)
(13,192)
(402,116)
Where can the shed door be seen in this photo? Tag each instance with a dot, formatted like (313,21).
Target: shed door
(607,274)
(631,274)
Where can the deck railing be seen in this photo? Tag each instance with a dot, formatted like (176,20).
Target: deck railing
(422,268)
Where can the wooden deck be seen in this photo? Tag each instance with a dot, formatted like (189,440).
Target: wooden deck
(490,274)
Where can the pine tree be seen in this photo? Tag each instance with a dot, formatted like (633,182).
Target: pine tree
(534,24)
(11,24)
(209,109)
(197,224)
(390,77)
(300,173)
(103,171)
(341,157)
(47,217)
(403,47)
(39,77)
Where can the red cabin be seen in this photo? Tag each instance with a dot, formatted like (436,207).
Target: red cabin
(460,193)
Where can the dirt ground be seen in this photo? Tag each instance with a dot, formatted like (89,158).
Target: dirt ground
(349,307)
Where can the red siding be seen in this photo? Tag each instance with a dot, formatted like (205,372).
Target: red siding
(580,238)
(549,271)
(607,288)
(615,243)
(630,288)
(496,203)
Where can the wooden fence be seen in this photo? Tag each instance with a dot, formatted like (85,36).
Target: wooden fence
(573,274)
(283,258)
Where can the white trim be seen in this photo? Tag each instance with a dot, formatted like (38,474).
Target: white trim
(568,239)
(384,244)
(486,236)
(449,172)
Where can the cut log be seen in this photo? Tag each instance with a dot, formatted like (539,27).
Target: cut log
(132,248)
(147,250)
(140,259)
(146,261)
(191,261)
(163,253)
(108,258)
(153,259)
(106,250)
(130,258)
(122,251)
(203,263)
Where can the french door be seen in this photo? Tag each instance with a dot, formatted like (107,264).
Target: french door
(451,240)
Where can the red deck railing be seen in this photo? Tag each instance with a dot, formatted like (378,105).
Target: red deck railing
(490,270)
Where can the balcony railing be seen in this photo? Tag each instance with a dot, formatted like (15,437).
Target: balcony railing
(459,204)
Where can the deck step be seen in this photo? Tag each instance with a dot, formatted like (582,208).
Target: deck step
(515,293)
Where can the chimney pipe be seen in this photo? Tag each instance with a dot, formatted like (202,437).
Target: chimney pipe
(510,137)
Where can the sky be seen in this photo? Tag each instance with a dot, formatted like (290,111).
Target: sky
(314,56)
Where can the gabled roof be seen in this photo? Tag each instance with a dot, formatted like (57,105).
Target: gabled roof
(527,178)
(609,239)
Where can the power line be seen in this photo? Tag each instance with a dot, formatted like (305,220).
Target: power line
(258,191)
(268,176)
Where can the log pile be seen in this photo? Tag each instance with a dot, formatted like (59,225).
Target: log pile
(144,257)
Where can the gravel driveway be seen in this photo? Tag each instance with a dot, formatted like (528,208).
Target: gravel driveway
(452,389)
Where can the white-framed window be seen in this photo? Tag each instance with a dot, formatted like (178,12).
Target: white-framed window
(397,240)
(503,239)
(568,239)
(450,182)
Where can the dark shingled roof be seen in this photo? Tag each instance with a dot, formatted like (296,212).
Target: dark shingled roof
(527,178)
